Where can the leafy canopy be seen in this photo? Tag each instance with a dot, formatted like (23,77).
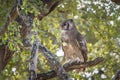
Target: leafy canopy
(97,20)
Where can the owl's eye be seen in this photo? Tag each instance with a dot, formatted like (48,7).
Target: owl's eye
(67,26)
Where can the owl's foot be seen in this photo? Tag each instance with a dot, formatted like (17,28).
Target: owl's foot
(70,61)
(77,60)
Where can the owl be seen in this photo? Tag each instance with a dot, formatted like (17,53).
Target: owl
(73,42)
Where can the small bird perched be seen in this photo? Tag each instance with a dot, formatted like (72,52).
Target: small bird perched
(73,43)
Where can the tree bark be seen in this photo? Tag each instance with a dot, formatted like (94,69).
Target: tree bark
(33,61)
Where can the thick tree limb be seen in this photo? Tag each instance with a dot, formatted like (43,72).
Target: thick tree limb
(54,64)
(69,67)
(33,61)
(25,20)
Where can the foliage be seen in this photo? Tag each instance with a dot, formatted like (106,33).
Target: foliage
(97,20)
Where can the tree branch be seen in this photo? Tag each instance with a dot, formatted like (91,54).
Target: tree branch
(116,1)
(54,64)
(33,61)
(51,5)
(12,16)
(68,67)
(117,75)
(25,20)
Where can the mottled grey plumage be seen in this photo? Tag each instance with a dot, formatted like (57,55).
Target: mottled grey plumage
(73,43)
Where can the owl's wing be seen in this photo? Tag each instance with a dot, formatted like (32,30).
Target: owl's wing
(81,42)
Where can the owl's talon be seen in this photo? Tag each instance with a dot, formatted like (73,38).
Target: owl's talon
(70,61)
(77,60)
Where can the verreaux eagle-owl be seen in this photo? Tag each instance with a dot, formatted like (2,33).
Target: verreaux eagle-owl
(73,42)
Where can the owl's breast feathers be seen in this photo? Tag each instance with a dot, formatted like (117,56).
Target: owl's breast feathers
(75,47)
(65,36)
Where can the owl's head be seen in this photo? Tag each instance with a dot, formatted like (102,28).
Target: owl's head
(68,25)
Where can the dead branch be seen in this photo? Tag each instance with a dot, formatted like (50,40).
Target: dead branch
(69,67)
